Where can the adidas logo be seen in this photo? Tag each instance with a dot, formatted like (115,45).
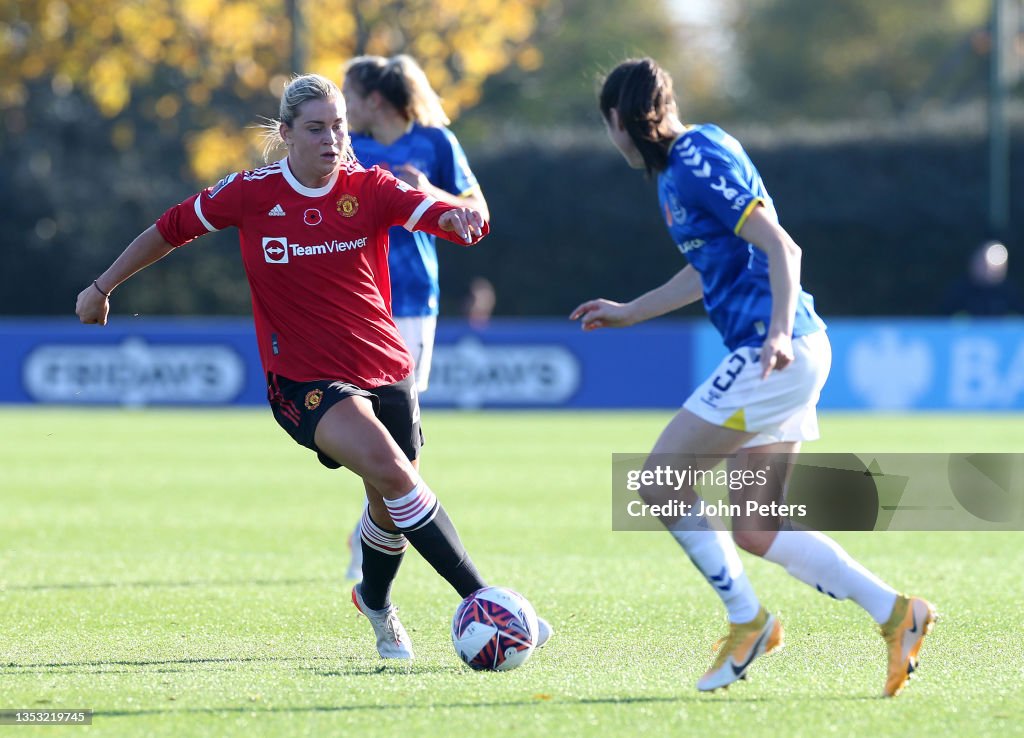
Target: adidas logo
(276,210)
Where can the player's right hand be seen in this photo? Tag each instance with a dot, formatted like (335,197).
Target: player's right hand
(466,223)
(92,306)
(602,313)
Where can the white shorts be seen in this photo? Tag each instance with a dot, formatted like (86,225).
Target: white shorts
(418,333)
(779,408)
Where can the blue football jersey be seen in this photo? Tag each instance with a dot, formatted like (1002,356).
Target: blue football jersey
(706,192)
(413,256)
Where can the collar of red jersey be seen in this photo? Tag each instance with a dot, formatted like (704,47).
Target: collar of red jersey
(301,188)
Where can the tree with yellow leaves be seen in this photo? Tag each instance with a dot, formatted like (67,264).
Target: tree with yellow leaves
(198,67)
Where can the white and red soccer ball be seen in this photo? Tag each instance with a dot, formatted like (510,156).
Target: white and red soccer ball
(494,629)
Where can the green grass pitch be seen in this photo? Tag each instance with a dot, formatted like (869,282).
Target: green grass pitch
(180,573)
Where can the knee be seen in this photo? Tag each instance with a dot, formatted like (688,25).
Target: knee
(756,542)
(391,475)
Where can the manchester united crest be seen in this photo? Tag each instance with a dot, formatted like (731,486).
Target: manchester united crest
(313,398)
(348,205)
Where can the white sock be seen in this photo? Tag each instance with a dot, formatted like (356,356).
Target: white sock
(356,558)
(714,554)
(413,510)
(817,560)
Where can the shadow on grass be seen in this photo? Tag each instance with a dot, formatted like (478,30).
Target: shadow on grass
(536,702)
(175,666)
(172,585)
(394,668)
(539,701)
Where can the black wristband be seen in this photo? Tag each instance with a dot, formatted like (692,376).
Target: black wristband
(105,294)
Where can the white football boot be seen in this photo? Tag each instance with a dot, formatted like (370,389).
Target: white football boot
(392,640)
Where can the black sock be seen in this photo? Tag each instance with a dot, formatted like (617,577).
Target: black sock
(438,542)
(383,551)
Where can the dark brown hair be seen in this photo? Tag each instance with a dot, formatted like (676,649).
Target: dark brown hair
(641,92)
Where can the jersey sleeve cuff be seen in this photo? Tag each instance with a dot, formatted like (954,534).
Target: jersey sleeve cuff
(746,214)
(161,228)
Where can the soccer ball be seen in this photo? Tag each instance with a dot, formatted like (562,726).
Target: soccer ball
(494,629)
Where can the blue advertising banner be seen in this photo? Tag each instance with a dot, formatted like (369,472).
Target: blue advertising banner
(510,364)
(131,361)
(552,363)
(878,364)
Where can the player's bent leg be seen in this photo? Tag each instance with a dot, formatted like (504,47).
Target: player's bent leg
(807,555)
(820,562)
(688,441)
(352,435)
(691,442)
(768,466)
(912,618)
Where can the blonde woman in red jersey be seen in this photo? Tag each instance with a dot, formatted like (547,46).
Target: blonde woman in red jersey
(313,231)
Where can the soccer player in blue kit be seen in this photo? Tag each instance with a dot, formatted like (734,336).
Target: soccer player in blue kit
(759,404)
(398,124)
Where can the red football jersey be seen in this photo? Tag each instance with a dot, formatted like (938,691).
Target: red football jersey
(317,264)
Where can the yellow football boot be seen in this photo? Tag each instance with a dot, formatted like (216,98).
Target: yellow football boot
(745,642)
(911,620)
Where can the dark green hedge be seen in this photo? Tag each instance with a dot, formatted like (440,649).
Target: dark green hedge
(886,218)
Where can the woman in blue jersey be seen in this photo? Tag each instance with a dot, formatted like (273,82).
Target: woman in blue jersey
(759,404)
(398,123)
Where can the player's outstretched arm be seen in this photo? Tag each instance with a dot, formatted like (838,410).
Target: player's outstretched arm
(682,289)
(93,304)
(763,230)
(473,199)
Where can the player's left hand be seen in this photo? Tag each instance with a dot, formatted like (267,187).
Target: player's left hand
(412,176)
(776,354)
(466,223)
